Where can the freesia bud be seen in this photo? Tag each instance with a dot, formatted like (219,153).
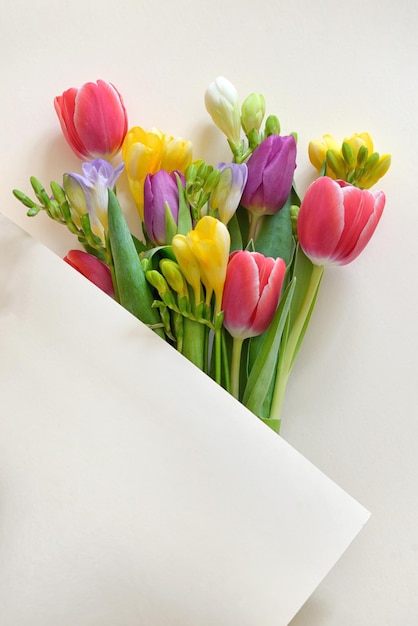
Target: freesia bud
(251,293)
(93,119)
(335,163)
(92,268)
(161,195)
(336,221)
(222,104)
(188,263)
(172,273)
(148,151)
(270,175)
(252,112)
(379,169)
(87,192)
(226,196)
(272,126)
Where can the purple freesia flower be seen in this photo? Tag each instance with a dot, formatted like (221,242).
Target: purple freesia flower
(226,196)
(87,192)
(270,175)
(161,193)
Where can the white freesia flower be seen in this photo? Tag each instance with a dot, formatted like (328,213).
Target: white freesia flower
(222,104)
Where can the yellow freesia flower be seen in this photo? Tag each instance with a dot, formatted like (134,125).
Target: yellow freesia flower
(203,255)
(147,151)
(210,242)
(317,150)
(354,160)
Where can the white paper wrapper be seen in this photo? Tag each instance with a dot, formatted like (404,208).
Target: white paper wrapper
(134,490)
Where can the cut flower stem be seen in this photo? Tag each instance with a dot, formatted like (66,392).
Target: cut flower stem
(291,346)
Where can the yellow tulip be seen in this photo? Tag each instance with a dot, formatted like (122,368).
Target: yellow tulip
(147,151)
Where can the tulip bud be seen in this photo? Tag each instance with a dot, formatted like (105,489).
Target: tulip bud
(161,206)
(222,104)
(92,268)
(336,221)
(93,119)
(251,293)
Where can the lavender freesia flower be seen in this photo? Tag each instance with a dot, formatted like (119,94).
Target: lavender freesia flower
(226,196)
(87,192)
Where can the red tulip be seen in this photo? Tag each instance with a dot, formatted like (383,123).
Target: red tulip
(93,119)
(92,268)
(251,293)
(336,221)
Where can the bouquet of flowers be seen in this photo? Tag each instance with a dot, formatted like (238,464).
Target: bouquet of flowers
(228,260)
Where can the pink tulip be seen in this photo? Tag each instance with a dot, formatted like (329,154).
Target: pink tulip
(251,293)
(337,220)
(92,268)
(93,119)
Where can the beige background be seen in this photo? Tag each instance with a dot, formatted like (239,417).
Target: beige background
(323,67)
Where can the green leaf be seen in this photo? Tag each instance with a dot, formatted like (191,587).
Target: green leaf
(235,233)
(170,223)
(262,372)
(184,222)
(133,289)
(275,238)
(140,246)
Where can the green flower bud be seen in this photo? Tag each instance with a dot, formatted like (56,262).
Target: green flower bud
(158,281)
(172,273)
(348,155)
(362,155)
(294,212)
(252,112)
(272,126)
(336,163)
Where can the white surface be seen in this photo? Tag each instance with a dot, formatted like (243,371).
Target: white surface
(323,67)
(134,489)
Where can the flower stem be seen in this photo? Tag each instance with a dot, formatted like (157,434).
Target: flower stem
(194,339)
(236,366)
(254,222)
(292,345)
